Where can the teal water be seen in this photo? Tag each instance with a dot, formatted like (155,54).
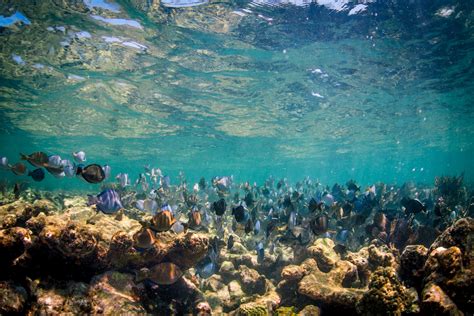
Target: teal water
(244,89)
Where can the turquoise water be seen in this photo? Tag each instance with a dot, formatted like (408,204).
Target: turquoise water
(374,92)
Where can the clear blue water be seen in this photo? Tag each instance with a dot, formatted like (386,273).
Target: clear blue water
(378,92)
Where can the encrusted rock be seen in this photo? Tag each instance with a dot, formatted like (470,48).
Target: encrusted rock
(412,263)
(387,295)
(18,212)
(213,283)
(235,290)
(112,293)
(310,310)
(322,250)
(252,282)
(460,234)
(292,273)
(12,298)
(262,305)
(252,309)
(436,302)
(327,289)
(227,269)
(13,243)
(188,249)
(444,267)
(70,298)
(381,257)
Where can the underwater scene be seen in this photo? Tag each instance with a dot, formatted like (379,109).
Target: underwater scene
(236,157)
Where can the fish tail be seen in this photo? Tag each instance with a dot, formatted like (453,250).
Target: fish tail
(23,156)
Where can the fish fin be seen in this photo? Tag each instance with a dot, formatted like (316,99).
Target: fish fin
(119,215)
(91,200)
(23,156)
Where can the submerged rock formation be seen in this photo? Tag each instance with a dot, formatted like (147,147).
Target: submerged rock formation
(79,261)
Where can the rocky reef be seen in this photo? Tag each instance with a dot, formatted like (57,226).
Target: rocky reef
(79,261)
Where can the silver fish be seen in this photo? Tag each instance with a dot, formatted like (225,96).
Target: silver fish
(4,163)
(79,156)
(54,161)
(107,171)
(123,179)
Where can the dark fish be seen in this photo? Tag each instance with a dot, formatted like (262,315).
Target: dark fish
(143,239)
(270,227)
(19,169)
(280,184)
(202,183)
(165,273)
(240,214)
(17,190)
(92,173)
(195,218)
(55,171)
(37,174)
(230,242)
(314,205)
(287,201)
(162,221)
(37,159)
(219,207)
(380,220)
(108,201)
(352,186)
(248,226)
(249,199)
(319,225)
(347,209)
(413,206)
(340,249)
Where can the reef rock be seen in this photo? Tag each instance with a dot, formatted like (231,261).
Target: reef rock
(292,273)
(310,310)
(444,267)
(70,298)
(387,295)
(322,250)
(112,293)
(13,243)
(381,256)
(12,298)
(187,250)
(227,269)
(18,212)
(460,234)
(328,290)
(252,282)
(262,305)
(450,265)
(412,263)
(436,302)
(368,259)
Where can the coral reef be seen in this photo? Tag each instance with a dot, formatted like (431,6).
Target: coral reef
(13,298)
(387,295)
(80,244)
(78,261)
(449,267)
